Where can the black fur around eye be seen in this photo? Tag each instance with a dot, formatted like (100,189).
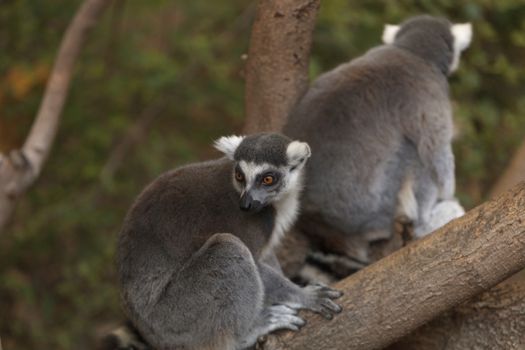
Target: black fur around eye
(268,180)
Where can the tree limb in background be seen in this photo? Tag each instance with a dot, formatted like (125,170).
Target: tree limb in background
(514,173)
(136,132)
(20,169)
(277,65)
(401,292)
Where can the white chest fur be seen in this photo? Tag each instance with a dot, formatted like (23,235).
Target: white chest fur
(287,210)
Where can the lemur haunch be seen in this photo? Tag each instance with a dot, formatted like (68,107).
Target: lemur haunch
(380,128)
(195,258)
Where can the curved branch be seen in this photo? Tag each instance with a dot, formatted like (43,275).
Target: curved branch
(22,167)
(277,66)
(412,286)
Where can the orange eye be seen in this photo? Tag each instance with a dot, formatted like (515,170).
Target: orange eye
(239,176)
(268,180)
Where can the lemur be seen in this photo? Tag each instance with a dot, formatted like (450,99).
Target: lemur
(380,128)
(195,253)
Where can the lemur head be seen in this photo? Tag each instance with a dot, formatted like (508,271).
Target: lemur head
(434,39)
(267,167)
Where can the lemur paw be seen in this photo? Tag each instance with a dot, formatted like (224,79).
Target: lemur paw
(318,298)
(282,317)
(273,318)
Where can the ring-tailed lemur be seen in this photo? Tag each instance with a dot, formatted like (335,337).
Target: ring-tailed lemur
(195,258)
(380,128)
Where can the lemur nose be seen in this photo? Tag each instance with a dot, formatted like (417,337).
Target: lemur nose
(245,202)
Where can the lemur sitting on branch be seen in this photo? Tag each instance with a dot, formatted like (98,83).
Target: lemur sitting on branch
(380,128)
(195,253)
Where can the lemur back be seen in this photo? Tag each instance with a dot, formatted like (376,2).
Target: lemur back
(378,124)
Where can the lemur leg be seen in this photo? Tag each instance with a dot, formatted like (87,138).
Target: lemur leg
(279,290)
(427,196)
(212,302)
(431,133)
(437,156)
(272,318)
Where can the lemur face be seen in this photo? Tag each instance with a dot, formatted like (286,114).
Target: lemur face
(267,167)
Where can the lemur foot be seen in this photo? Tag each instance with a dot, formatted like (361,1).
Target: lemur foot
(318,298)
(282,317)
(274,318)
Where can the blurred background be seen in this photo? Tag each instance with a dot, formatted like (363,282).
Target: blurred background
(157,82)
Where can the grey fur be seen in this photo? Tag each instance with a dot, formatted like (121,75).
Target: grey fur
(191,265)
(374,124)
(273,153)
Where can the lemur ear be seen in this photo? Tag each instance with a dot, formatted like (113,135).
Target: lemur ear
(462,35)
(228,145)
(389,33)
(297,153)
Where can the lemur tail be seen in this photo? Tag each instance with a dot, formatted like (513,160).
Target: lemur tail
(125,337)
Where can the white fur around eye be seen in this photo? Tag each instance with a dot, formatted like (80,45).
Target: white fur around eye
(228,144)
(389,33)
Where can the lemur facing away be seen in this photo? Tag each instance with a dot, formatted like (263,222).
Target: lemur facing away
(380,128)
(195,254)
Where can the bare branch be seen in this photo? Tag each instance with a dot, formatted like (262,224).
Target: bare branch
(403,291)
(22,167)
(136,132)
(277,66)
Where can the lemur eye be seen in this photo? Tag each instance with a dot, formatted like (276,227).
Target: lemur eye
(268,180)
(239,176)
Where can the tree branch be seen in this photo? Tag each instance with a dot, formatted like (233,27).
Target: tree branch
(493,320)
(21,168)
(277,66)
(514,173)
(401,292)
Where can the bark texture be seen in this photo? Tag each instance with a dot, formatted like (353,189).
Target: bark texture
(20,169)
(493,320)
(277,65)
(403,291)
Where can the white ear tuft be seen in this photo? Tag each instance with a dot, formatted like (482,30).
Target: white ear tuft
(297,153)
(462,35)
(389,33)
(228,144)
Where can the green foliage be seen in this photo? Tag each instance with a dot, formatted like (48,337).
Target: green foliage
(177,65)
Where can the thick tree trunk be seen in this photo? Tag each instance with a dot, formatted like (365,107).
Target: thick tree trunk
(494,320)
(403,291)
(277,65)
(20,169)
